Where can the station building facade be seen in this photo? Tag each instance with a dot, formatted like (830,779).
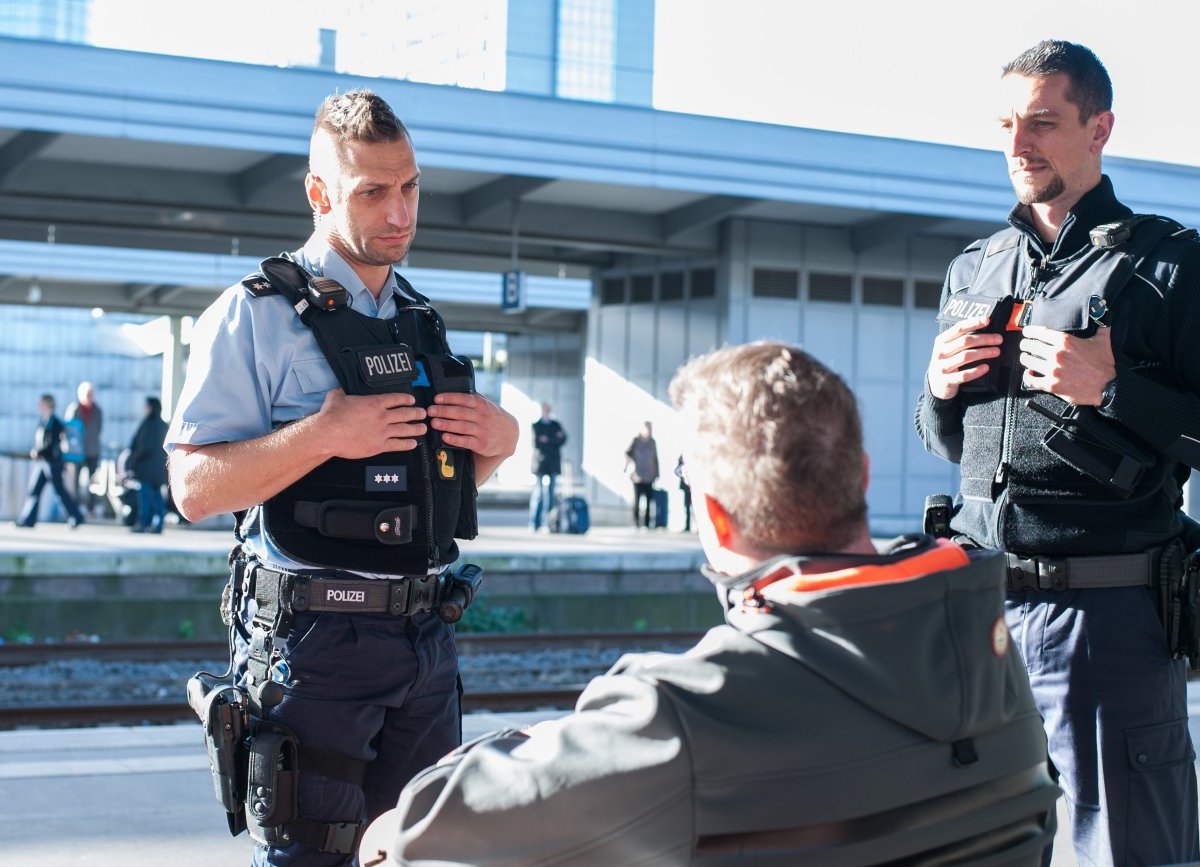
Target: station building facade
(143,184)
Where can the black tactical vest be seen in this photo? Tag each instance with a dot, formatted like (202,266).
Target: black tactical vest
(1035,497)
(396,513)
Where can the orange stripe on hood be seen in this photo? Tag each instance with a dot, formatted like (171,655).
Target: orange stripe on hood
(944,555)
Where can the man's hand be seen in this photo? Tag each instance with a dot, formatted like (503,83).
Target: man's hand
(1073,368)
(361,426)
(471,421)
(955,348)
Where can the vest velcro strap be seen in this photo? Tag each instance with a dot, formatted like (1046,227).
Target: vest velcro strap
(355,519)
(1075,573)
(335,766)
(339,837)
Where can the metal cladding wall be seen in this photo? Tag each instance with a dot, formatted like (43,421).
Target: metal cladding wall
(869,316)
(50,351)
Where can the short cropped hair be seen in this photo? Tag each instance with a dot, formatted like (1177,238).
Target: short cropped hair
(1090,89)
(47,399)
(359,116)
(780,439)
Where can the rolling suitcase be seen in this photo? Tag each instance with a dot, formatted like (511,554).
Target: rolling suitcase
(570,516)
(570,513)
(661,505)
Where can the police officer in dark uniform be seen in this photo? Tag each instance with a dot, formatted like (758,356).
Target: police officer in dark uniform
(323,401)
(1066,384)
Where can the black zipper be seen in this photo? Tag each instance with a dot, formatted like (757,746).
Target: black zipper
(422,446)
(1039,273)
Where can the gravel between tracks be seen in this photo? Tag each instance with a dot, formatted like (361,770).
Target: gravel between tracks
(82,681)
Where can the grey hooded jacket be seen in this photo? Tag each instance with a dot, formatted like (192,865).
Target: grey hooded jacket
(828,706)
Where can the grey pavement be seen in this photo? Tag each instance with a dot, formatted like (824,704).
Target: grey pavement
(128,796)
(142,796)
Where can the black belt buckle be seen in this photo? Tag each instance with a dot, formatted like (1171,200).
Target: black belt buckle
(1037,573)
(413,595)
(1022,573)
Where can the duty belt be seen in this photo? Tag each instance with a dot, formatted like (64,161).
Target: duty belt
(1073,573)
(300,591)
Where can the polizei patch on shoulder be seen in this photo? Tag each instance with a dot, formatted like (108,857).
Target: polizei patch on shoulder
(386,365)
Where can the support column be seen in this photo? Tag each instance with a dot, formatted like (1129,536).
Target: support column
(172,370)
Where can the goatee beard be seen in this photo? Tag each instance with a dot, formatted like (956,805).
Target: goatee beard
(1036,196)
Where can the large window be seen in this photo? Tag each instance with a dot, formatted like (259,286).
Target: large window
(586,48)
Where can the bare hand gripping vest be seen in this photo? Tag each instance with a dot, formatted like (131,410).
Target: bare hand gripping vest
(398,512)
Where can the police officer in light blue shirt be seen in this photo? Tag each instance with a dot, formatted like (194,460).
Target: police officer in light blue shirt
(261,409)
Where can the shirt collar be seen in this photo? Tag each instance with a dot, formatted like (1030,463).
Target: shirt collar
(1098,205)
(320,258)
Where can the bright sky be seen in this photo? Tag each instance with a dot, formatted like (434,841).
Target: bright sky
(919,69)
(924,69)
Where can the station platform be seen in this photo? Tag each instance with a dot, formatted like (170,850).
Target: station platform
(101,579)
(107,547)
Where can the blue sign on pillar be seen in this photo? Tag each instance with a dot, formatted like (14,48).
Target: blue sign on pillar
(512,295)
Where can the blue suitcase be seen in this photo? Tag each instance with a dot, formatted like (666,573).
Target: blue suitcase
(661,507)
(570,516)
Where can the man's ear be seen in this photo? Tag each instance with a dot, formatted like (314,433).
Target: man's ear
(722,524)
(318,195)
(866,471)
(1102,131)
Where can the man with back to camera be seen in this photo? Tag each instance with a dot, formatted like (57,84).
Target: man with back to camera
(858,707)
(1073,418)
(355,493)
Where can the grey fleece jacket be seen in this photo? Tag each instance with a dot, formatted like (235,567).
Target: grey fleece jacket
(833,705)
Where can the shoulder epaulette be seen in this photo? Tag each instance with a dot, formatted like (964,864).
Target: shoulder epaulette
(258,285)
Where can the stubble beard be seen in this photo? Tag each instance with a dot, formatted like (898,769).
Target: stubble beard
(364,255)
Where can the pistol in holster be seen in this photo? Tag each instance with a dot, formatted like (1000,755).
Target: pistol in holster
(221,707)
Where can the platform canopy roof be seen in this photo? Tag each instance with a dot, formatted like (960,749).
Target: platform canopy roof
(145,156)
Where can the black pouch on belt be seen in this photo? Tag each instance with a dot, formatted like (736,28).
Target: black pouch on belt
(271,785)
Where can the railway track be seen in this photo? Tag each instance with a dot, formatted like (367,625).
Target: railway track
(478,645)
(134,713)
(468,643)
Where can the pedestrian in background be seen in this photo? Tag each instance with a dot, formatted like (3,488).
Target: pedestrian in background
(148,466)
(641,462)
(681,474)
(47,453)
(548,440)
(87,411)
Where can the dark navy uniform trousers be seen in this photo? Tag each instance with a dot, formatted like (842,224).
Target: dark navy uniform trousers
(1115,709)
(378,688)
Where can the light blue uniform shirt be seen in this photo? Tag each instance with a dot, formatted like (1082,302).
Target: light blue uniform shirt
(254,366)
